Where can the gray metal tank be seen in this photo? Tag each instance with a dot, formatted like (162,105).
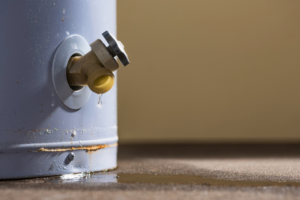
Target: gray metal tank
(39,134)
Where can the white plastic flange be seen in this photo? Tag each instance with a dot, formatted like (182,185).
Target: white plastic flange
(74,44)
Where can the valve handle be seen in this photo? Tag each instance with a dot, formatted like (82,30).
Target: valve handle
(116,48)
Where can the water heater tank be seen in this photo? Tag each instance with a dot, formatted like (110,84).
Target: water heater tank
(48,127)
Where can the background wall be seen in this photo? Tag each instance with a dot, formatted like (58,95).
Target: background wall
(209,71)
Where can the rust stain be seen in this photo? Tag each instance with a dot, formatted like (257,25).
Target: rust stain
(87,148)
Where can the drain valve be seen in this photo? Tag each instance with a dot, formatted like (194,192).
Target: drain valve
(95,69)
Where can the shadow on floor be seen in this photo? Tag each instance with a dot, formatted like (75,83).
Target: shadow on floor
(209,151)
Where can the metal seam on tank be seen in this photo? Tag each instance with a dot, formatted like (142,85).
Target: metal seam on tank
(33,146)
(42,131)
(87,148)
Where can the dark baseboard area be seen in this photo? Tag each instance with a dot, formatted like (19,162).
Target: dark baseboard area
(210,150)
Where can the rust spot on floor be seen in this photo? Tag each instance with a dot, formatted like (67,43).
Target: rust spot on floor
(87,148)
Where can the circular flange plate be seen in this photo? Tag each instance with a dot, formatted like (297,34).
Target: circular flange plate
(74,44)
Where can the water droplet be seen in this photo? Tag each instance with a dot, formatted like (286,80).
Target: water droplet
(100,101)
(73,134)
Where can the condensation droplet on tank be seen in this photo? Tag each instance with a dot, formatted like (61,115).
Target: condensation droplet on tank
(73,133)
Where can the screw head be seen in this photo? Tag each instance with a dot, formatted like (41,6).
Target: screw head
(71,156)
(116,48)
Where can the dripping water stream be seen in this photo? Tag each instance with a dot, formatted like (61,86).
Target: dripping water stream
(100,100)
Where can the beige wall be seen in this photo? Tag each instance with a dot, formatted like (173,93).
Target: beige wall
(209,70)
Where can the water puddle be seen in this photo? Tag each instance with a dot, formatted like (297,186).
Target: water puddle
(94,179)
(86,178)
(99,178)
(196,180)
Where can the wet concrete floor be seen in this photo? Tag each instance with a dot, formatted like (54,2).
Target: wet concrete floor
(178,171)
(102,178)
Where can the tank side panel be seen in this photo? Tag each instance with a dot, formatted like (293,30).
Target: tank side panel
(30,111)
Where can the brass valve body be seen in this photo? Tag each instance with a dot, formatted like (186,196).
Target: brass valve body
(87,70)
(95,68)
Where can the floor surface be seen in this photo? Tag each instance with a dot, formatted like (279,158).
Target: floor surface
(210,171)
